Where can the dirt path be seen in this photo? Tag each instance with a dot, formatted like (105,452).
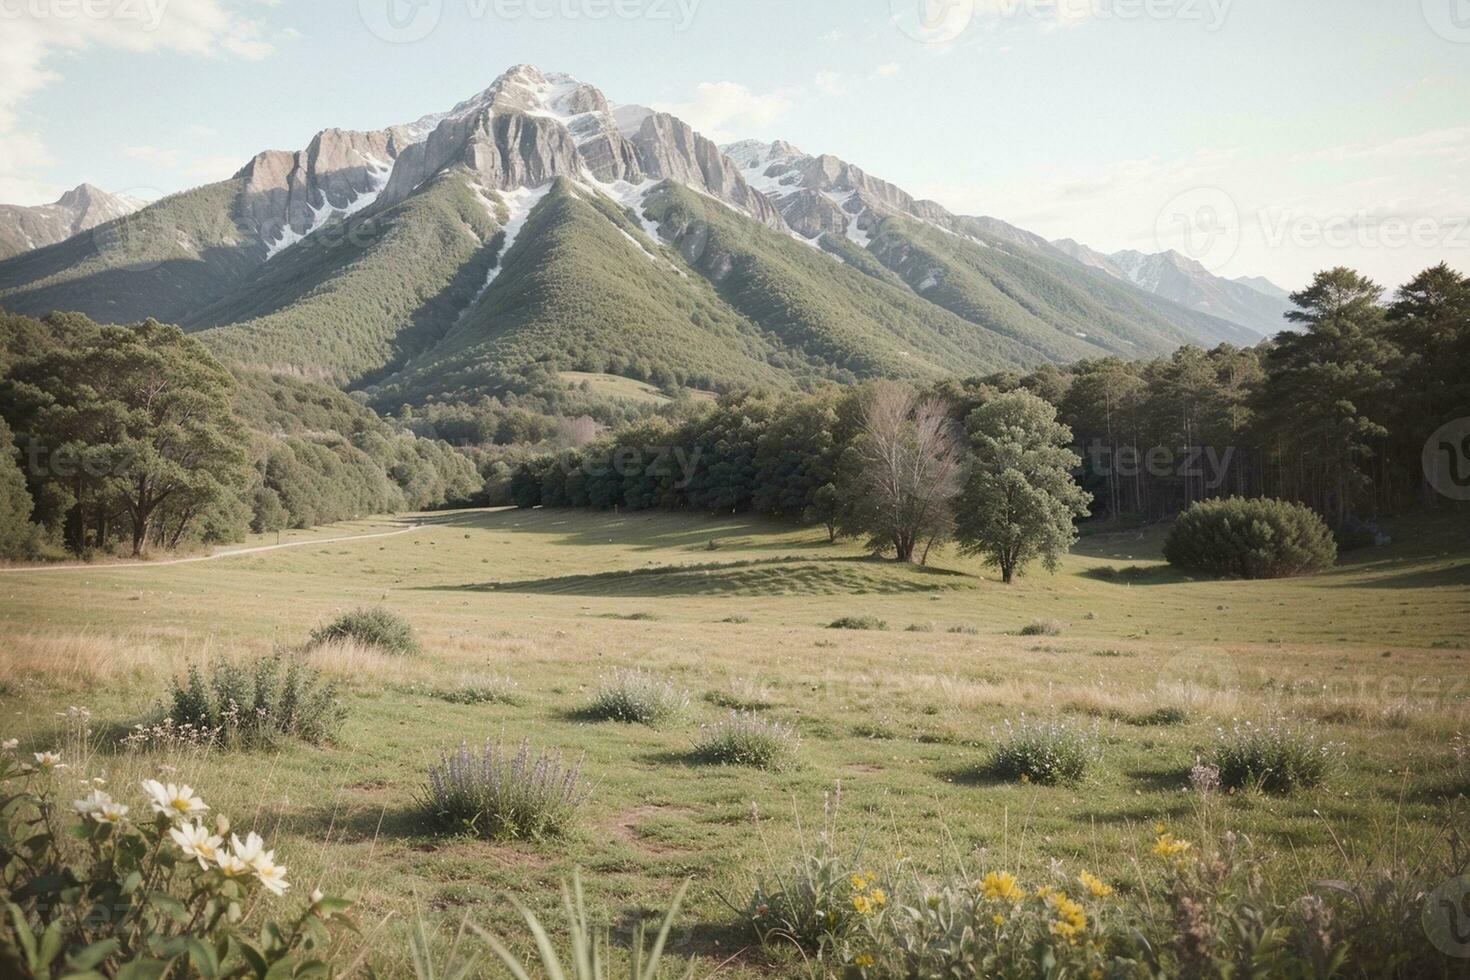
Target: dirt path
(19,569)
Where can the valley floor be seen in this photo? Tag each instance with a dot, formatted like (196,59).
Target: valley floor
(1375,651)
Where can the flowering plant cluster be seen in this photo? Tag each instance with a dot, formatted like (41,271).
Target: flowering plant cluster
(154,887)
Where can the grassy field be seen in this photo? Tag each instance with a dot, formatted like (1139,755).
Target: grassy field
(1377,652)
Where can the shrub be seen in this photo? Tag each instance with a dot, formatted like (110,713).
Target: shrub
(502,795)
(1043,627)
(1204,908)
(636,696)
(742,695)
(1046,752)
(858,623)
(483,689)
(819,905)
(188,919)
(1277,758)
(1251,539)
(371,627)
(746,739)
(964,631)
(256,706)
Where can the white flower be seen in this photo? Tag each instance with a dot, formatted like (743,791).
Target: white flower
(112,813)
(230,866)
(316,895)
(91,804)
(252,853)
(272,876)
(197,843)
(249,850)
(49,760)
(173,801)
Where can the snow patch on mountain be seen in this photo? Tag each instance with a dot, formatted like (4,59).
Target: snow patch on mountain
(519,203)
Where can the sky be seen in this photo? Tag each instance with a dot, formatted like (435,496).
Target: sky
(1259,137)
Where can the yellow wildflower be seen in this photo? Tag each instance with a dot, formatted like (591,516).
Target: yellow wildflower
(862,904)
(1001,885)
(1168,846)
(1095,885)
(998,919)
(1071,919)
(878,896)
(863,960)
(859,883)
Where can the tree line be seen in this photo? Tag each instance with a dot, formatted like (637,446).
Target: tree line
(1333,414)
(135,437)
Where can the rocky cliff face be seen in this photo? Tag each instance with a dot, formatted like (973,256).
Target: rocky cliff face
(529,128)
(288,195)
(80,209)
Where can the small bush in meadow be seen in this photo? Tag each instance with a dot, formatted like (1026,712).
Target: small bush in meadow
(746,739)
(1043,627)
(963,631)
(256,705)
(1158,718)
(374,627)
(1277,757)
(1047,752)
(820,905)
(638,697)
(742,695)
(499,794)
(483,689)
(857,623)
(1251,539)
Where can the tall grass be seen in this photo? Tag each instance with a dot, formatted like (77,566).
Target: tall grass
(638,697)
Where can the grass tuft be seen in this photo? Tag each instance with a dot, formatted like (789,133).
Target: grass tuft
(857,623)
(638,697)
(747,739)
(1046,752)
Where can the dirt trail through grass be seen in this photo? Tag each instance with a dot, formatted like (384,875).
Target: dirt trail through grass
(234,553)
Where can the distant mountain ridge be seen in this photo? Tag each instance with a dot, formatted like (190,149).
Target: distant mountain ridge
(1253,302)
(537,228)
(80,209)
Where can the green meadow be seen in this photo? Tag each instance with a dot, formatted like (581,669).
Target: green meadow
(895,724)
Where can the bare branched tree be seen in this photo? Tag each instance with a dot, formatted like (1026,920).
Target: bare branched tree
(907,471)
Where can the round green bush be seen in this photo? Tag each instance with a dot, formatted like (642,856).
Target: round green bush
(372,627)
(1255,538)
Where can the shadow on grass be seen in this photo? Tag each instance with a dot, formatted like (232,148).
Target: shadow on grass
(762,576)
(1160,780)
(1135,575)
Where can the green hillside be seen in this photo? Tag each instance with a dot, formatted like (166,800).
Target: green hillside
(364,295)
(851,323)
(576,294)
(165,262)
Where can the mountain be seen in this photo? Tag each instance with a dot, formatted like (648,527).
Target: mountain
(1252,302)
(78,210)
(537,228)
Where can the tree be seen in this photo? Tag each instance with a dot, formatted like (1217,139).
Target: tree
(905,471)
(1326,391)
(826,510)
(137,417)
(17,533)
(1020,501)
